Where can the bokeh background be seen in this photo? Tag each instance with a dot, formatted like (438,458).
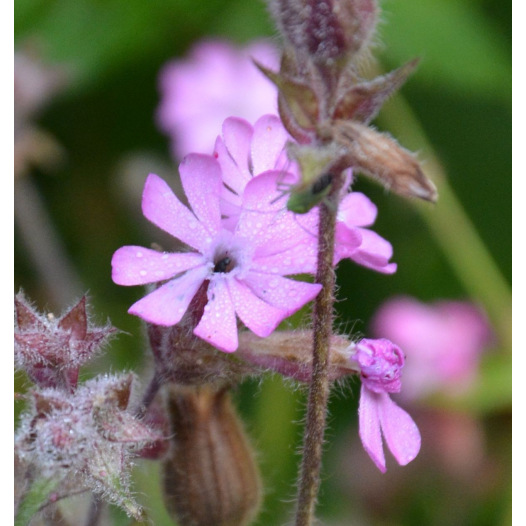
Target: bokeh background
(97,140)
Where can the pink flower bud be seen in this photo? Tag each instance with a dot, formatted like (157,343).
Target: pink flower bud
(380,362)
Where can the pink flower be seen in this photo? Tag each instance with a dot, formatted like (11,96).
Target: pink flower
(243,264)
(216,81)
(381,363)
(246,151)
(444,342)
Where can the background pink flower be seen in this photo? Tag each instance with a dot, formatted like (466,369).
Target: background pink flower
(442,341)
(216,81)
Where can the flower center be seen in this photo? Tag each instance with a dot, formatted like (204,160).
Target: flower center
(224,265)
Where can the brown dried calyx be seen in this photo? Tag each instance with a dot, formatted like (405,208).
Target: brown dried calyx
(210,476)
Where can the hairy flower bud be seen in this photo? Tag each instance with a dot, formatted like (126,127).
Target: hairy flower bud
(326,30)
(210,476)
(380,156)
(85,440)
(51,350)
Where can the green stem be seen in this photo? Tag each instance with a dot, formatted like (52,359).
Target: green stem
(309,480)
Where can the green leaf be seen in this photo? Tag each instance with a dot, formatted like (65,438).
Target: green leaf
(34,499)
(94,37)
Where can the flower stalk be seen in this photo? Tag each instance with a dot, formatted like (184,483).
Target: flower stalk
(319,388)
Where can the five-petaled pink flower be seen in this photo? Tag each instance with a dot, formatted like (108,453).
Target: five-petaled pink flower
(244,264)
(380,364)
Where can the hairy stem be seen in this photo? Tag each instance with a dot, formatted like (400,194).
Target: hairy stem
(149,395)
(309,479)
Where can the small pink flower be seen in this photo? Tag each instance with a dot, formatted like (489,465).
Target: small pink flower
(244,265)
(216,81)
(380,363)
(444,342)
(246,151)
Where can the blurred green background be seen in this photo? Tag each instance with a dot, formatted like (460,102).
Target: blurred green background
(459,109)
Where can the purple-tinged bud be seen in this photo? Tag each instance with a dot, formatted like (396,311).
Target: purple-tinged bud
(84,440)
(210,476)
(326,30)
(381,363)
(52,350)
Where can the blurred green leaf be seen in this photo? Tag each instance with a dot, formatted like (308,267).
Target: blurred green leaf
(94,36)
(459,46)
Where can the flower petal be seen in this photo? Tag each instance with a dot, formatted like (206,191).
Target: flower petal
(268,143)
(373,252)
(347,240)
(167,304)
(281,292)
(356,209)
(264,218)
(259,316)
(218,324)
(237,135)
(201,179)
(234,177)
(163,209)
(299,259)
(369,425)
(134,265)
(400,431)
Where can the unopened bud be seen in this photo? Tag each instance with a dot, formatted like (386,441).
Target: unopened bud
(210,476)
(51,350)
(326,30)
